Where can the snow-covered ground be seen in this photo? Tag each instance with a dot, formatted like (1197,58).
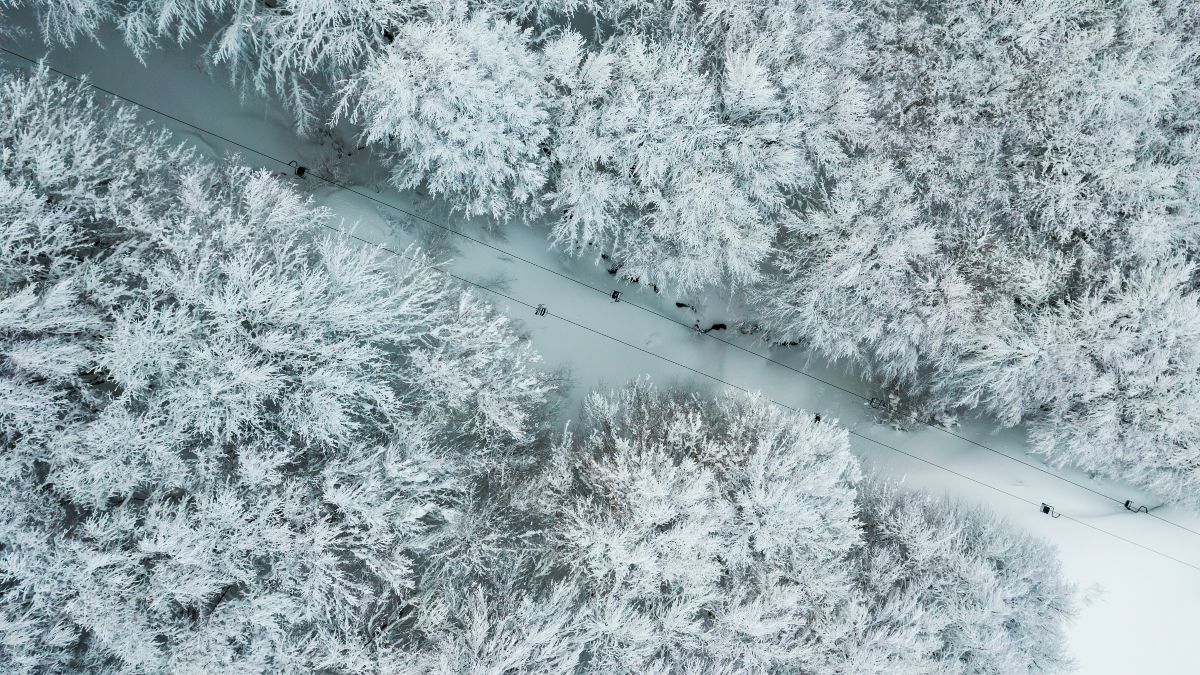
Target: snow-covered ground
(1143,621)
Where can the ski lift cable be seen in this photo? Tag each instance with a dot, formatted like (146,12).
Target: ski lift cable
(292,164)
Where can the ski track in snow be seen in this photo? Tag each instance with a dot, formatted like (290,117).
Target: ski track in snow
(1144,620)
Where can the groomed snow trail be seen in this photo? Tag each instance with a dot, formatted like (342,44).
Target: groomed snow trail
(1143,622)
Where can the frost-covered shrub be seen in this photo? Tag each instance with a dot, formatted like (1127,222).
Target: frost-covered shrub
(230,438)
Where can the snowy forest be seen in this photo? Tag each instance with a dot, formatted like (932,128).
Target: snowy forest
(985,206)
(237,440)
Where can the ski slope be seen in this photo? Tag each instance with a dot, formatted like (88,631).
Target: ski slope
(1143,621)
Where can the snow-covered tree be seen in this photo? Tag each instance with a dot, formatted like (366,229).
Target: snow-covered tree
(295,49)
(951,589)
(511,631)
(458,104)
(1035,145)
(682,534)
(234,442)
(715,530)
(1073,154)
(230,437)
(861,278)
(62,21)
(684,142)
(646,168)
(1110,379)
(242,445)
(1026,160)
(677,534)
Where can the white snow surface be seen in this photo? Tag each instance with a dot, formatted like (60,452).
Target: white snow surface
(1142,621)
